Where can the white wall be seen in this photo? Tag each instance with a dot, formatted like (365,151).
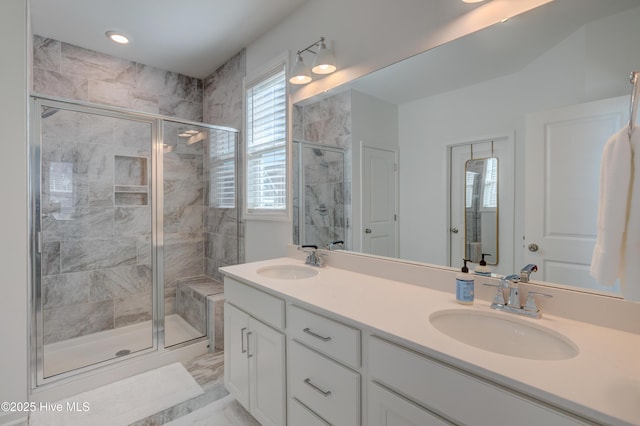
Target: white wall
(590,64)
(367,35)
(371,34)
(13,193)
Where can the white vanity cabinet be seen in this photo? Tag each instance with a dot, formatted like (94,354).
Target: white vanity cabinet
(323,357)
(254,356)
(438,392)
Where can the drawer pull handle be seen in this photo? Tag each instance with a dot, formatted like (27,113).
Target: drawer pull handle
(317,336)
(248,352)
(242,348)
(318,388)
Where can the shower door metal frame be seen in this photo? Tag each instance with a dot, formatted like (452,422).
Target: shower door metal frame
(157,225)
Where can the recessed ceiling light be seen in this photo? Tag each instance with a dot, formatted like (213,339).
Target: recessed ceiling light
(117,37)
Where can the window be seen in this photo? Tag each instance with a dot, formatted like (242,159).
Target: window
(266,146)
(490,192)
(223,170)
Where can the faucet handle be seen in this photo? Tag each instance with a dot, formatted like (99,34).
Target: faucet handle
(531,305)
(498,299)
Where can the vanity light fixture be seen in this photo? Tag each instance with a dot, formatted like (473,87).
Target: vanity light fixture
(472,1)
(323,63)
(117,37)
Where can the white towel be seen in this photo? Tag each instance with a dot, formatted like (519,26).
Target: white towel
(616,254)
(615,178)
(630,276)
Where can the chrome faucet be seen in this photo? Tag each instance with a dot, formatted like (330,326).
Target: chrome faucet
(335,244)
(314,258)
(512,305)
(526,271)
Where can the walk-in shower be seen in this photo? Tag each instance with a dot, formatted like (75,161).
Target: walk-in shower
(319,195)
(126,230)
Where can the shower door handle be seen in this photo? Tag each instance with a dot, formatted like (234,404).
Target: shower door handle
(242,348)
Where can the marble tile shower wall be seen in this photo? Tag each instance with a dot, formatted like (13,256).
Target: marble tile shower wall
(327,194)
(185,189)
(67,71)
(98,266)
(96,257)
(224,229)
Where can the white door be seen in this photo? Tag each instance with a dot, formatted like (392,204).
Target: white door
(266,352)
(501,260)
(563,152)
(236,364)
(379,202)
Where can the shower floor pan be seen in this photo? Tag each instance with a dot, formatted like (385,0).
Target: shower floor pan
(67,355)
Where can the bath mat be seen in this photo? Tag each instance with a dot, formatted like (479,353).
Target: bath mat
(122,402)
(223,412)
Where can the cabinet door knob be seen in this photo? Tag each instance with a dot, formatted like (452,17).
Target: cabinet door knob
(367,231)
(533,247)
(454,230)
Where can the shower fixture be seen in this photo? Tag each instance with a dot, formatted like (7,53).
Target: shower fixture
(48,111)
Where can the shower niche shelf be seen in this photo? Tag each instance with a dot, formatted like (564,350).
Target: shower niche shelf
(131,181)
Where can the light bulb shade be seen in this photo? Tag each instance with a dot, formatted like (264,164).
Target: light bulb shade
(324,61)
(300,72)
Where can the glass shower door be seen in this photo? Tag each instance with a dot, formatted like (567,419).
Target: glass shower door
(93,252)
(199,227)
(319,199)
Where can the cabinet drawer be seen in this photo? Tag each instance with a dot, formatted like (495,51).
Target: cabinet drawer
(259,304)
(385,408)
(326,387)
(301,415)
(327,336)
(452,394)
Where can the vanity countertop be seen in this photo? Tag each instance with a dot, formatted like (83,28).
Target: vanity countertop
(602,382)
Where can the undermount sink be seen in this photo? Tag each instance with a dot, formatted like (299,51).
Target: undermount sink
(498,333)
(287,272)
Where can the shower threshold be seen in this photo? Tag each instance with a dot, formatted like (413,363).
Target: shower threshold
(71,354)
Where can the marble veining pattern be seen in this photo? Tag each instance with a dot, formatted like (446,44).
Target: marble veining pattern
(68,71)
(327,194)
(97,251)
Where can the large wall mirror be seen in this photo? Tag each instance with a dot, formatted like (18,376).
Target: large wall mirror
(553,83)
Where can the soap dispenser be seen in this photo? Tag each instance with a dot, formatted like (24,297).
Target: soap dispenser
(464,285)
(482,268)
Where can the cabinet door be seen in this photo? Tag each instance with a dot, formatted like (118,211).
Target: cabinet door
(267,372)
(236,365)
(388,409)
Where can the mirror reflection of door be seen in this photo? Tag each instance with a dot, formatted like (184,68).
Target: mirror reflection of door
(481,203)
(379,202)
(564,146)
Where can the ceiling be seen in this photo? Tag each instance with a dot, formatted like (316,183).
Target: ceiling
(200,35)
(496,51)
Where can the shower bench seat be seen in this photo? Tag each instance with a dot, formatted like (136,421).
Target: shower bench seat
(200,301)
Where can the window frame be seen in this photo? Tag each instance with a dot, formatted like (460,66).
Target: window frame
(252,79)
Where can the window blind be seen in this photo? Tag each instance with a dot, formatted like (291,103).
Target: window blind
(490,193)
(266,129)
(223,169)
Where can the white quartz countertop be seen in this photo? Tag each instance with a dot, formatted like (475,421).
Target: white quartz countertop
(602,382)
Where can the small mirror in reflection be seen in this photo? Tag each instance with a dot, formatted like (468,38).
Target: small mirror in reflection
(481,210)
